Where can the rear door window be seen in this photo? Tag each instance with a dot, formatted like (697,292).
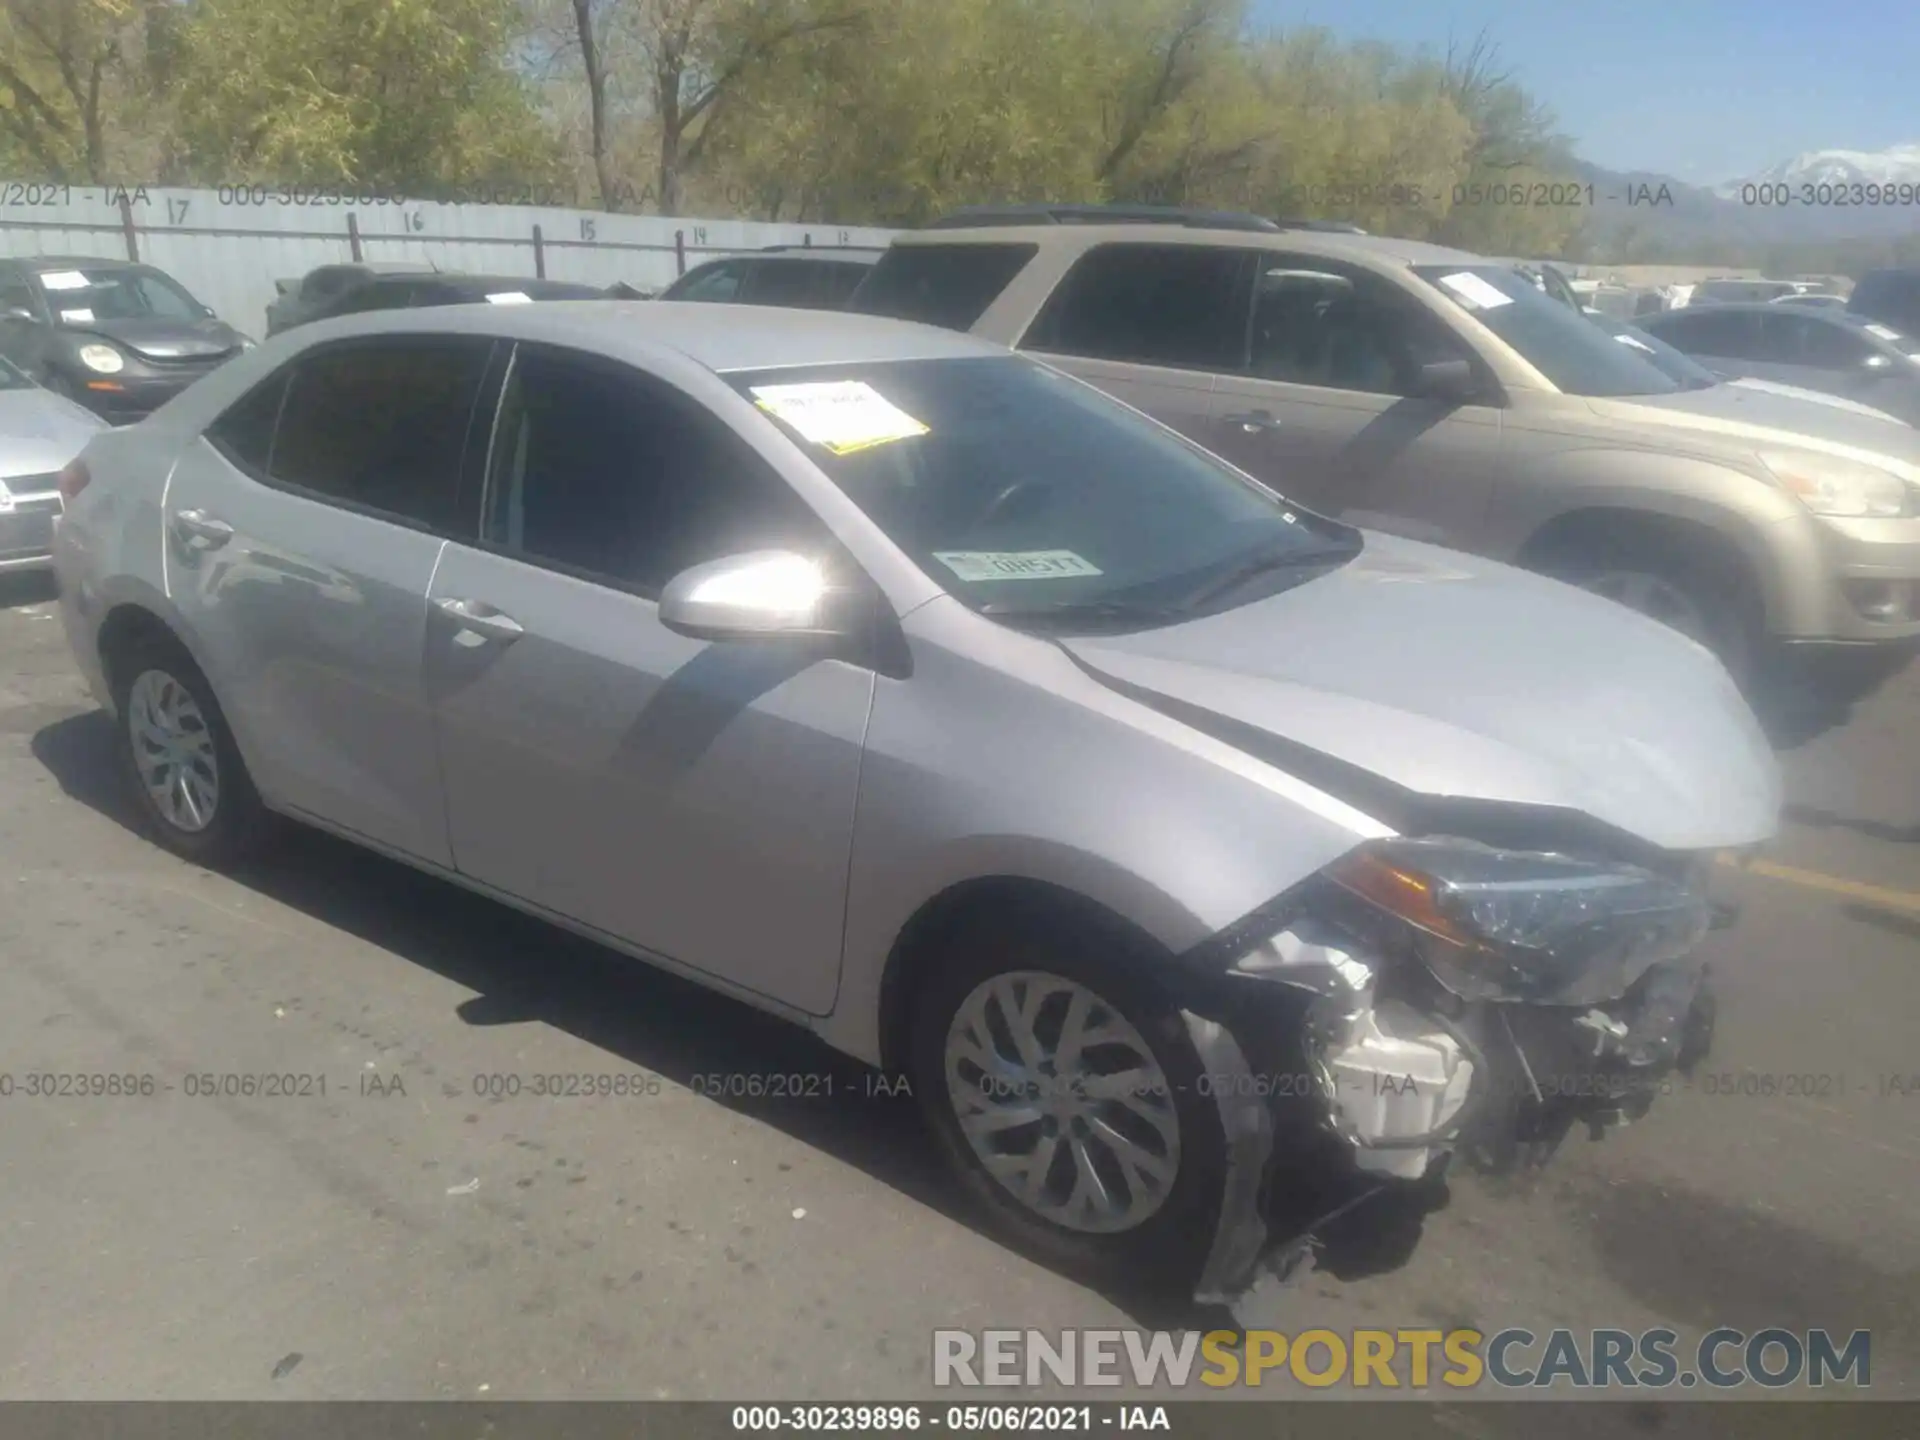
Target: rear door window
(1184,306)
(946,285)
(383,425)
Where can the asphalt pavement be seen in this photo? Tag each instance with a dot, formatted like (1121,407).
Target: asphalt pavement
(419,1232)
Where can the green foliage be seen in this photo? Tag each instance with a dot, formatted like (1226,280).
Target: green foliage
(857,111)
(389,93)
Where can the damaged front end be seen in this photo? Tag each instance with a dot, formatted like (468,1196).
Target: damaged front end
(1423,999)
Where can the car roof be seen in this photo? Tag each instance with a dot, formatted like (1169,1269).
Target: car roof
(1766,307)
(720,338)
(69,262)
(1331,245)
(857,254)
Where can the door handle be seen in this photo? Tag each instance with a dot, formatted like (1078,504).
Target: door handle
(471,615)
(1253,421)
(200,531)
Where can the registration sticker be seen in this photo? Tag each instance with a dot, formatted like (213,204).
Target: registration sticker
(64,280)
(1015,564)
(840,415)
(1475,291)
(510,297)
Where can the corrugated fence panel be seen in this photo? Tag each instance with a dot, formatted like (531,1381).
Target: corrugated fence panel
(229,246)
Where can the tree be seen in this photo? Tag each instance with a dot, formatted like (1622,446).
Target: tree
(69,69)
(377,93)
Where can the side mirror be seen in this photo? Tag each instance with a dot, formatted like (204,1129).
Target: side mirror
(20,314)
(756,596)
(1450,380)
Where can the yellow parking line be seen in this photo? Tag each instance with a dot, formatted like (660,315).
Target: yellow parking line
(1832,884)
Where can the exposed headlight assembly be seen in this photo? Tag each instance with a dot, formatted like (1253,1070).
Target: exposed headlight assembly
(1829,485)
(1507,925)
(103,358)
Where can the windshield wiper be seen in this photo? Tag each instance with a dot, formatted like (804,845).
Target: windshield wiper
(1123,610)
(1265,562)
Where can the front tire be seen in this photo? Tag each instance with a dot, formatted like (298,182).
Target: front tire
(179,758)
(1067,1098)
(1686,589)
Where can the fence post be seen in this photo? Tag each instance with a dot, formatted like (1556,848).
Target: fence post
(353,235)
(680,251)
(807,240)
(539,254)
(127,230)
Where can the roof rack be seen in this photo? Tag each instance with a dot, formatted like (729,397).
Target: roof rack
(973,217)
(1328,227)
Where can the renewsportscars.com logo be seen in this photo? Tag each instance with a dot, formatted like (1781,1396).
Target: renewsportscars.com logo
(1515,1358)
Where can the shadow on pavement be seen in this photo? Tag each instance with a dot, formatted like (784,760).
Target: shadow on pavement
(525,970)
(1814,818)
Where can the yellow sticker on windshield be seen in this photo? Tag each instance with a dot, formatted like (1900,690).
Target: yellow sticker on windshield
(1015,564)
(841,415)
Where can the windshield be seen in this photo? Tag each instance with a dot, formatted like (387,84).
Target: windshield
(79,297)
(1557,340)
(1020,490)
(1691,374)
(1906,344)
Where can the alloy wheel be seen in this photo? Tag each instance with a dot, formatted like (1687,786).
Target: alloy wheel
(1061,1100)
(173,751)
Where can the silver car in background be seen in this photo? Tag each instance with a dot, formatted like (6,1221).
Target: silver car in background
(39,433)
(1191,854)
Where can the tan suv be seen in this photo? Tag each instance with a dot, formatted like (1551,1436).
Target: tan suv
(1441,396)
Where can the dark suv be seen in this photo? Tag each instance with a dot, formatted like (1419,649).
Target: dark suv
(798,277)
(1891,297)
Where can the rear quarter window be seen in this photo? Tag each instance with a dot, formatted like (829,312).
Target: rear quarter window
(946,285)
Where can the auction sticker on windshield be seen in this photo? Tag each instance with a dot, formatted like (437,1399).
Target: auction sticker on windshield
(1475,291)
(1015,564)
(76,317)
(839,415)
(1882,331)
(64,280)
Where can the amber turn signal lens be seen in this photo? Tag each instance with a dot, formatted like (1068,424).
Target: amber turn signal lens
(1395,889)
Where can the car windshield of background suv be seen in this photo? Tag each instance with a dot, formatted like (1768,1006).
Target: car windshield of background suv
(1576,356)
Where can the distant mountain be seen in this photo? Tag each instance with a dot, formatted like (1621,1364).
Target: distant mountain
(1774,207)
(1898,166)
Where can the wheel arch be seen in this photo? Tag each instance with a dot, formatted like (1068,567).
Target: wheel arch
(915,950)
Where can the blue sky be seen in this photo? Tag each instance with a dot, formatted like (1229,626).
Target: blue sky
(1704,90)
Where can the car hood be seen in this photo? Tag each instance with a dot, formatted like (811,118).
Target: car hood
(1455,678)
(1795,392)
(159,339)
(1748,418)
(41,431)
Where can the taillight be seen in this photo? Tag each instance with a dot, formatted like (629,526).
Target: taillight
(73,480)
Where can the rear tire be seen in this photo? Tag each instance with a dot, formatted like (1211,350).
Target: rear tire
(178,755)
(1125,1227)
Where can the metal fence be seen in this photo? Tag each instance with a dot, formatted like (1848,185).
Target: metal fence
(229,245)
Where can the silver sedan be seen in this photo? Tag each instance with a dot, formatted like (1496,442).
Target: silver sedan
(39,433)
(1182,849)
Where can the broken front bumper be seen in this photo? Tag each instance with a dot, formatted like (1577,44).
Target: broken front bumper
(1339,1087)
